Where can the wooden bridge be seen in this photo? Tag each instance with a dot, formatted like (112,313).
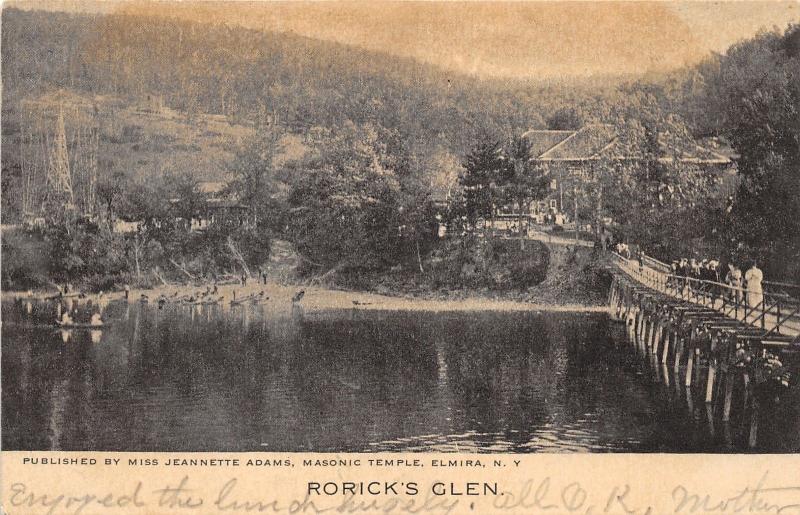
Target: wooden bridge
(706,340)
(778,313)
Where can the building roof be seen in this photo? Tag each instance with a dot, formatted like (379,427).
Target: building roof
(211,187)
(543,140)
(720,146)
(224,204)
(584,143)
(597,141)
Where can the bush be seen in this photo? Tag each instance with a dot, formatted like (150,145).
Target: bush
(109,282)
(494,264)
(512,268)
(25,260)
(84,250)
(209,253)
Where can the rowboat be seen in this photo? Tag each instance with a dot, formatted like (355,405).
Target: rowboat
(77,325)
(58,296)
(207,302)
(252,302)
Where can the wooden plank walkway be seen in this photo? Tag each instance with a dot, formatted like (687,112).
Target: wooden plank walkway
(778,315)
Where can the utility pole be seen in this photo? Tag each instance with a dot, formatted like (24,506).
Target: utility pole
(599,208)
(575,196)
(600,225)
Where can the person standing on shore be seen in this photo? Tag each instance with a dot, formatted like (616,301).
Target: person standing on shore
(755,293)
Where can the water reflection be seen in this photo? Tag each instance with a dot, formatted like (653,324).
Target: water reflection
(269,377)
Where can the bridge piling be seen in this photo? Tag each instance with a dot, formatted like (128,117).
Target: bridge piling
(752,439)
(667,343)
(711,377)
(689,368)
(676,365)
(656,336)
(705,349)
(730,381)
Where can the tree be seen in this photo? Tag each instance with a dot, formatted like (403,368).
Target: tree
(443,174)
(87,250)
(484,167)
(185,199)
(654,195)
(148,203)
(759,87)
(254,176)
(523,181)
(565,119)
(356,204)
(145,201)
(110,190)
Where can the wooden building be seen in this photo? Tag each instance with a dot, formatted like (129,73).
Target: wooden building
(573,158)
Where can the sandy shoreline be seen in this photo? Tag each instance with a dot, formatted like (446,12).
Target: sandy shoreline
(319,298)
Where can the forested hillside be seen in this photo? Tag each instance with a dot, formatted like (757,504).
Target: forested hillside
(171,101)
(115,64)
(113,67)
(244,74)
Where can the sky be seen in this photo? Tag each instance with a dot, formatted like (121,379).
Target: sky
(520,39)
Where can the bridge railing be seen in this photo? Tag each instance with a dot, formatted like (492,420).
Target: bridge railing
(773,310)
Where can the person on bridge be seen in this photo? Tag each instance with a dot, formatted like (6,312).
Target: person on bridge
(755,293)
(674,272)
(694,269)
(713,270)
(704,270)
(734,280)
(683,267)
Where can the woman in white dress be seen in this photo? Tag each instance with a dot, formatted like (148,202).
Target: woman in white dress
(755,293)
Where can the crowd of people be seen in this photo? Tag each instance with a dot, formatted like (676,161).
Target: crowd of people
(741,285)
(705,270)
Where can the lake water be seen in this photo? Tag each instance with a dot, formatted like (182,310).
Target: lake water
(272,378)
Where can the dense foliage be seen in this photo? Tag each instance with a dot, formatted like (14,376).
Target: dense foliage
(383,137)
(358,202)
(758,87)
(247,75)
(497,175)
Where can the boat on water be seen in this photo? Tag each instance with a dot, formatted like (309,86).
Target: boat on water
(71,295)
(252,302)
(78,325)
(244,300)
(255,298)
(207,302)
